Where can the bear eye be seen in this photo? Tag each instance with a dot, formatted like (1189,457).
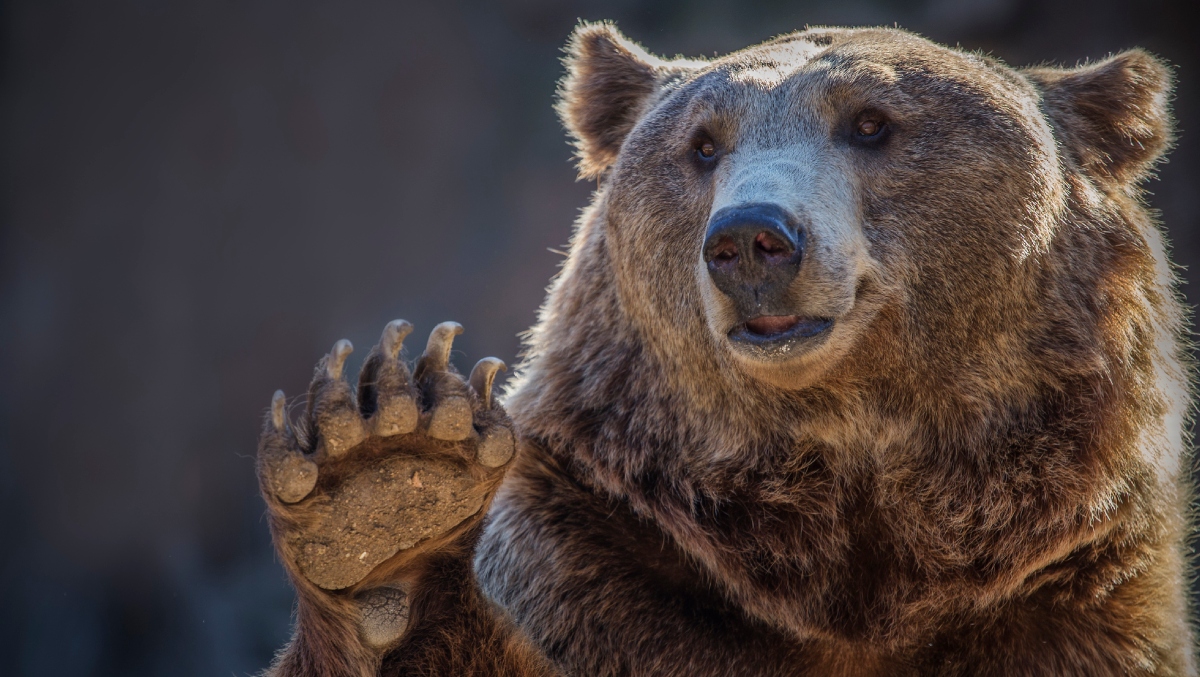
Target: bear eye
(705,150)
(870,128)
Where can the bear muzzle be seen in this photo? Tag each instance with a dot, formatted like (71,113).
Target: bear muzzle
(753,253)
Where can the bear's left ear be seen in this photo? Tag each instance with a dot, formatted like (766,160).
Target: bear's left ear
(608,82)
(1114,115)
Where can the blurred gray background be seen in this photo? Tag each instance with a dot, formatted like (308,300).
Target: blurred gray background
(199,198)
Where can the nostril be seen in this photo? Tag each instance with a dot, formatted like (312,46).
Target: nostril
(771,246)
(724,254)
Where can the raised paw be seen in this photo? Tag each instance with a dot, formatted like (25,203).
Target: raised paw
(399,461)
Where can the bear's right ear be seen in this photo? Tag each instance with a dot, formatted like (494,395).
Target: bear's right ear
(609,79)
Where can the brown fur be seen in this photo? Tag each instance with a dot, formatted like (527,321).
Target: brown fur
(980,472)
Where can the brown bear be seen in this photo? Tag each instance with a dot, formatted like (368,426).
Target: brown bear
(867,359)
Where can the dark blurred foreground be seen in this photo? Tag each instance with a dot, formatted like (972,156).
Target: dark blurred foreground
(200,198)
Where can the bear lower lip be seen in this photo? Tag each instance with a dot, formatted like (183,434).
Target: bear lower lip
(779,337)
(771,325)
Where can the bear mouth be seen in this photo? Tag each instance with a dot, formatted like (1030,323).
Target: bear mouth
(775,337)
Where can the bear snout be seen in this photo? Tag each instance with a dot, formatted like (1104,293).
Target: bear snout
(753,252)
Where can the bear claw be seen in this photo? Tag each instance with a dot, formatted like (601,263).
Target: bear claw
(482,377)
(278,402)
(337,358)
(437,349)
(393,337)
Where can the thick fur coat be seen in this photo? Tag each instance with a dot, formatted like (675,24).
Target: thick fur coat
(964,452)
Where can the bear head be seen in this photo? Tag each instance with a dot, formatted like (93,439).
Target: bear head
(841,201)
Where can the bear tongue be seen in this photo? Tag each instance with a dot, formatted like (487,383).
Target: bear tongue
(772,324)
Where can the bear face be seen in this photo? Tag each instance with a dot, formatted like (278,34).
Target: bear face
(807,185)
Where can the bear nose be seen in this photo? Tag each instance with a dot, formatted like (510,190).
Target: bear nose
(751,248)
